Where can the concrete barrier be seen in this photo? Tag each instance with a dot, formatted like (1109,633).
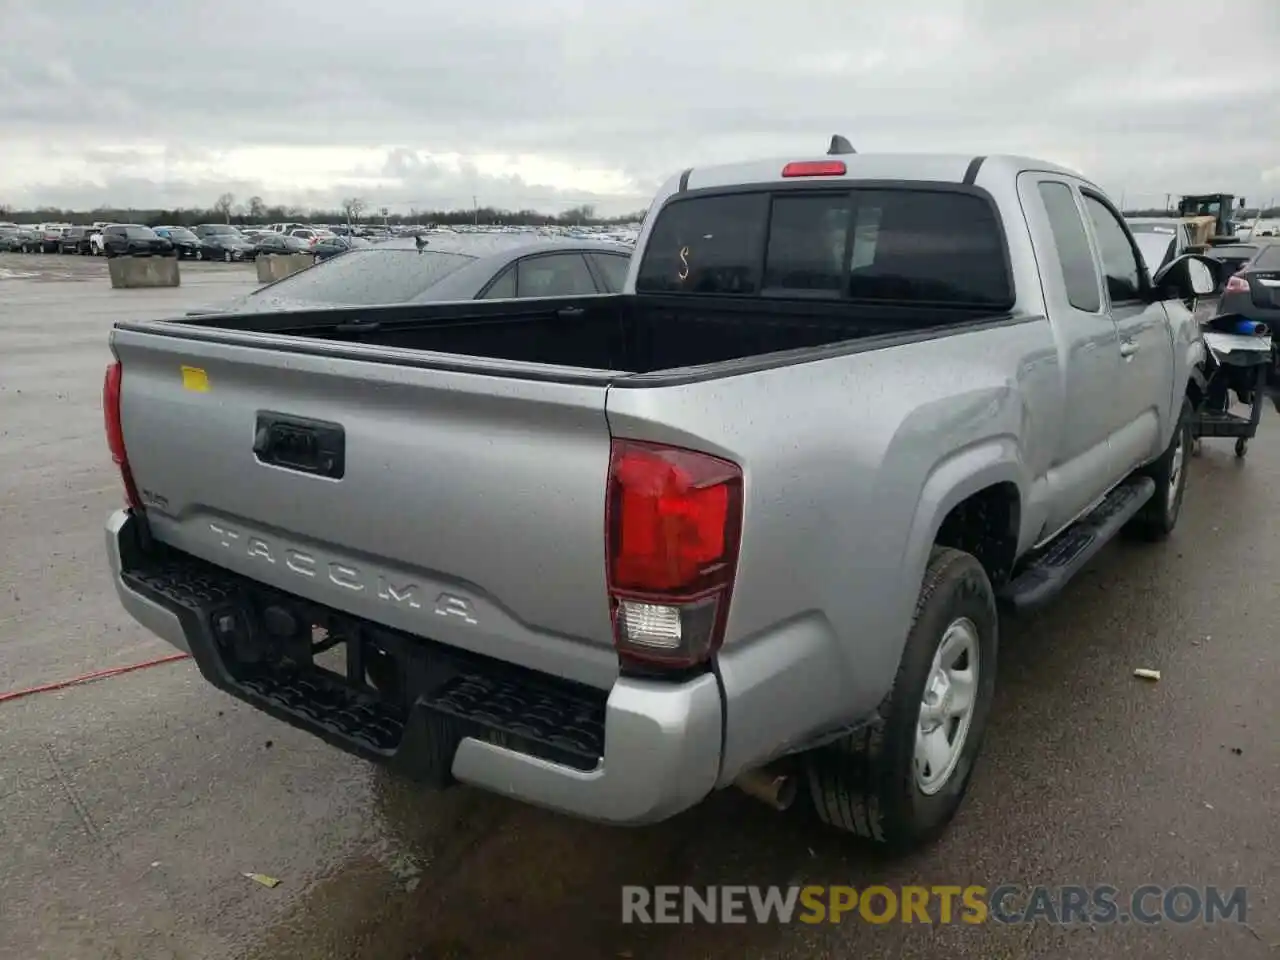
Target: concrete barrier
(277,266)
(129,272)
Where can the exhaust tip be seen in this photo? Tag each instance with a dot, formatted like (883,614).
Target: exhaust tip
(777,790)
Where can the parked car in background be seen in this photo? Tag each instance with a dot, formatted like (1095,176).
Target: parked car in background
(32,239)
(134,240)
(270,241)
(77,240)
(311,234)
(95,242)
(11,239)
(326,247)
(185,243)
(451,267)
(224,242)
(1160,239)
(51,236)
(1253,291)
(1233,256)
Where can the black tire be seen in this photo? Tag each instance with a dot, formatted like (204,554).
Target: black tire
(1159,515)
(226,256)
(867,783)
(1242,446)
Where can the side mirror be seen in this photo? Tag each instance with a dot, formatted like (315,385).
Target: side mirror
(1186,278)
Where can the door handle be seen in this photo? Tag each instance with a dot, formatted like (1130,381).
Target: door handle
(1128,348)
(571,313)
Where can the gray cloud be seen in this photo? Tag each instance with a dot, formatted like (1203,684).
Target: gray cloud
(1125,91)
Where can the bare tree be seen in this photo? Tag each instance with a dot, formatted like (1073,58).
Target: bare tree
(257,209)
(353,207)
(224,205)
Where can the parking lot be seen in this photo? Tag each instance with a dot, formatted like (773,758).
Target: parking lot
(132,807)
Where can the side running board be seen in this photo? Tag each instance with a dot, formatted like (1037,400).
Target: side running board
(1052,568)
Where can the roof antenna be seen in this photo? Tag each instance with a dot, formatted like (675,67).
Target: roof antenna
(839,145)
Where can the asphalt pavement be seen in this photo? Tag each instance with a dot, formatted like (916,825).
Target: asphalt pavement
(132,807)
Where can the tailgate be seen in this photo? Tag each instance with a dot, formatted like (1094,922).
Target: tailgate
(460,507)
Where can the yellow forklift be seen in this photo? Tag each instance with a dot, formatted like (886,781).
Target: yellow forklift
(1208,217)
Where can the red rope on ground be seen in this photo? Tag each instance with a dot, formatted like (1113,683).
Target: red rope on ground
(90,677)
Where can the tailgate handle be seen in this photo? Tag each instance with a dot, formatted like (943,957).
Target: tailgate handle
(317,447)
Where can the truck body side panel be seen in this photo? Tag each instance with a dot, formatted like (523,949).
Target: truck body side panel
(838,457)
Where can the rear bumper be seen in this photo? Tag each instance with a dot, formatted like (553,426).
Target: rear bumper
(656,746)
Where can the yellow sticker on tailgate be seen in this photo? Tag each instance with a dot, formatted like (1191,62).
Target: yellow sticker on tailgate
(193,378)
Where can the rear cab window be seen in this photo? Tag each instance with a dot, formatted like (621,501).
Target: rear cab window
(910,245)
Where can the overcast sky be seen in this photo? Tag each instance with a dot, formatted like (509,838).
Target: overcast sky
(549,103)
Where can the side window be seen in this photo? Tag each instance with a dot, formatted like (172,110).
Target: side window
(612,268)
(1079,272)
(556,275)
(807,241)
(504,288)
(1119,262)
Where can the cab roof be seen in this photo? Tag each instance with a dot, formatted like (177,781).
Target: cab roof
(935,167)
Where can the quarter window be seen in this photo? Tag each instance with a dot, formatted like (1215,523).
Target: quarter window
(613,270)
(555,275)
(1079,272)
(504,288)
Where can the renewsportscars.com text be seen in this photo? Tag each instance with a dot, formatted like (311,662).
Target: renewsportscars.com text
(1006,903)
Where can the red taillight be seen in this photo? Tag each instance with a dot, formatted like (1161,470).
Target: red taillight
(815,168)
(115,432)
(674,519)
(1237,284)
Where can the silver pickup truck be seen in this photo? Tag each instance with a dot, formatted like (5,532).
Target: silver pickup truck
(746,523)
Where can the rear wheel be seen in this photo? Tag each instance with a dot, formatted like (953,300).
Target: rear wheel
(226,256)
(901,779)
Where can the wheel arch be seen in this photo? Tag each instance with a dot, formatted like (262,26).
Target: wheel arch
(972,501)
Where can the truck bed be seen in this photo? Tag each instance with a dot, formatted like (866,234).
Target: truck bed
(636,334)
(373,460)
